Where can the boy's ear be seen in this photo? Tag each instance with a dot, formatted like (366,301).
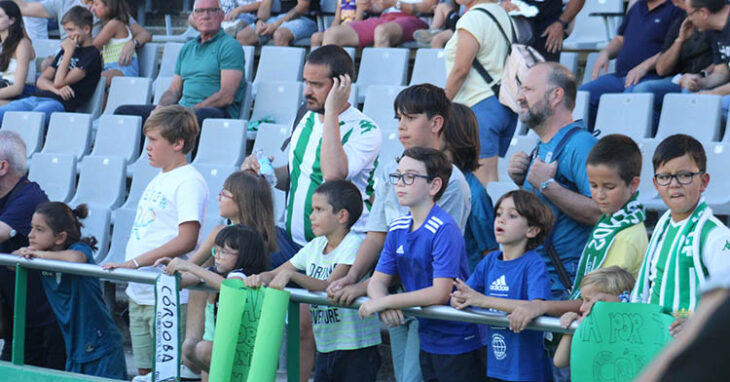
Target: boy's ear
(436,184)
(634,184)
(60,238)
(532,232)
(437,124)
(705,178)
(178,145)
(343,216)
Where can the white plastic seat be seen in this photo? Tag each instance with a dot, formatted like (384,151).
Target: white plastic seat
(495,190)
(214,176)
(95,103)
(222,142)
(278,101)
(647,192)
(279,63)
(161,86)
(270,138)
(97,224)
(143,174)
(626,113)
(390,150)
(122,228)
(379,105)
(46,48)
(429,67)
(696,114)
(570,61)
(591,63)
(716,195)
(248,55)
(169,57)
(147,59)
(101,182)
(382,66)
(524,143)
(118,135)
(592,32)
(29,125)
(55,173)
(128,91)
(68,133)
(580,111)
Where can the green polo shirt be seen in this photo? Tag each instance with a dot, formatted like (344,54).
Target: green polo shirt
(200,67)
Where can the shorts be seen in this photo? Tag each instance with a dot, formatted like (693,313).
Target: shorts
(209,330)
(131,70)
(347,365)
(301,27)
(469,366)
(111,365)
(247,18)
(366,29)
(497,124)
(142,331)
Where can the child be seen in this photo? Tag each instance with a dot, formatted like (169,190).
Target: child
(93,342)
(238,251)
(689,243)
(504,279)
(72,77)
(613,281)
(346,345)
(346,12)
(169,216)
(112,38)
(425,249)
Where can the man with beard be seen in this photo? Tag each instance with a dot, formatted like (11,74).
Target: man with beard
(556,170)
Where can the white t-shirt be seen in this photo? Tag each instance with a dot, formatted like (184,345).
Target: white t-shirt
(336,328)
(170,199)
(394,9)
(361,139)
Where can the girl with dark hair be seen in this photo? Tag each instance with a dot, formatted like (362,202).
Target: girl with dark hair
(16,56)
(113,36)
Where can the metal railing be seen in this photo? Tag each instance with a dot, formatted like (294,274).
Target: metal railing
(297,296)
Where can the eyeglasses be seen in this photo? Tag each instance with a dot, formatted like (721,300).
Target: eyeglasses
(407,178)
(200,11)
(223,194)
(685,178)
(693,12)
(222,253)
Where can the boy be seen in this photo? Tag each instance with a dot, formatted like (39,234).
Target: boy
(689,243)
(169,216)
(346,345)
(72,77)
(426,250)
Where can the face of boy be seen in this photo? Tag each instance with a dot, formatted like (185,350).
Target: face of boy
(416,130)
(75,32)
(324,220)
(587,295)
(161,153)
(421,190)
(608,190)
(681,198)
(509,226)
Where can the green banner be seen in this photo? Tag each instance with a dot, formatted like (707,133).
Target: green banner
(617,340)
(270,333)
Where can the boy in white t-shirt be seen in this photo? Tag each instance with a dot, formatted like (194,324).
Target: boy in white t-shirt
(169,216)
(346,345)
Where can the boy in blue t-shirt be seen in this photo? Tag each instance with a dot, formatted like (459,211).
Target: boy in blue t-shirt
(504,279)
(425,249)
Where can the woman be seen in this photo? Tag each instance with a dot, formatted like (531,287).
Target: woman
(16,56)
(477,36)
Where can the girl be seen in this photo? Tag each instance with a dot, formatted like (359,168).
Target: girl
(346,12)
(93,342)
(504,279)
(238,251)
(16,56)
(112,38)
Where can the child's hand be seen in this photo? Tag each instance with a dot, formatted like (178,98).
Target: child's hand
(177,265)
(25,252)
(232,15)
(68,45)
(348,294)
(464,296)
(280,280)
(371,307)
(523,314)
(112,266)
(677,326)
(392,317)
(66,93)
(162,261)
(256,281)
(568,318)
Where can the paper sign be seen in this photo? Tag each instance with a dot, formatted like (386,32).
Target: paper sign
(166,365)
(270,333)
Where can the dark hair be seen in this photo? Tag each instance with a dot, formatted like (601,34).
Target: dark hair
(175,122)
(561,77)
(118,9)
(714,6)
(252,256)
(436,162)
(61,218)
(336,58)
(619,152)
(676,146)
(16,32)
(342,195)
(461,133)
(252,195)
(79,16)
(423,98)
(534,210)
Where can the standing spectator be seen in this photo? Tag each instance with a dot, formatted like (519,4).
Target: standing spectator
(112,38)
(17,54)
(296,21)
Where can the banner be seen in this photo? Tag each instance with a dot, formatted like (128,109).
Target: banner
(617,340)
(166,365)
(269,336)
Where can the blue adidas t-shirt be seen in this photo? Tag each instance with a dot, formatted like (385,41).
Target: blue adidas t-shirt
(512,356)
(570,236)
(87,326)
(434,250)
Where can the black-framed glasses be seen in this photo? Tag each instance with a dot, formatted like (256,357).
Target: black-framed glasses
(684,177)
(690,13)
(407,178)
(200,11)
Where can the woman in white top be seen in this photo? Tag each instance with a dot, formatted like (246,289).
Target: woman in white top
(478,36)
(16,56)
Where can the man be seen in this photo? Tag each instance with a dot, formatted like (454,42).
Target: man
(19,198)
(208,72)
(296,21)
(635,48)
(333,140)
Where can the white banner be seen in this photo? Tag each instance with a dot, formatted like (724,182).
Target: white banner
(167,350)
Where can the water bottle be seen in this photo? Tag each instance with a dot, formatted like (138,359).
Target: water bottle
(267,170)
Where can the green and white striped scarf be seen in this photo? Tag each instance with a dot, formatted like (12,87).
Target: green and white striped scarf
(680,284)
(602,237)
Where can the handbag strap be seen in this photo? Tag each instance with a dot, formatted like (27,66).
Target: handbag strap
(478,66)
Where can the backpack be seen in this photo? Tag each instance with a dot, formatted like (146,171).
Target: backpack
(519,59)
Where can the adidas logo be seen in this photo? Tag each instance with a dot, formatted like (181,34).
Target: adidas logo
(499,285)
(400,250)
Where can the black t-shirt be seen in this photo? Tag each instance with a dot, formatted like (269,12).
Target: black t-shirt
(314,7)
(87,58)
(549,12)
(721,45)
(695,53)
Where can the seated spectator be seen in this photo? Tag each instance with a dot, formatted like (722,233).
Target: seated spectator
(239,14)
(442,27)
(395,25)
(297,20)
(347,12)
(636,49)
(208,72)
(112,38)
(16,56)
(72,77)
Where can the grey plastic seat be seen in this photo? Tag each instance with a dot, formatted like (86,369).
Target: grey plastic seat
(270,138)
(716,195)
(161,86)
(390,150)
(95,104)
(497,189)
(97,224)
(278,101)
(379,105)
(429,67)
(591,62)
(625,113)
(128,91)
(214,176)
(147,58)
(698,114)
(247,101)
(248,55)
(102,182)
(29,125)
(143,174)
(580,111)
(524,143)
(382,66)
(222,142)
(55,173)
(647,193)
(570,61)
(169,58)
(118,135)
(279,63)
(68,133)
(121,229)
(592,32)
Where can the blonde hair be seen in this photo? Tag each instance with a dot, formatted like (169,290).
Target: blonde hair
(613,280)
(175,122)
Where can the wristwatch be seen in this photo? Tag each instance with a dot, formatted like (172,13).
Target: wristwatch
(563,23)
(136,43)
(545,184)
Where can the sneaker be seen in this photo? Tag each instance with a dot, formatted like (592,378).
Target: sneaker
(143,378)
(424,36)
(188,375)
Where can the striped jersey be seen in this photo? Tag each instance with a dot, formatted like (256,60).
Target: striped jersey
(361,139)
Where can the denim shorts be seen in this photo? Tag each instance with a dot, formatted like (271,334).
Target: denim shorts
(131,70)
(497,124)
(301,27)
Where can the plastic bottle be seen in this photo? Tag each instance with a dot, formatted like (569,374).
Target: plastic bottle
(267,170)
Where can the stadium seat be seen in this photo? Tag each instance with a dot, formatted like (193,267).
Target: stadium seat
(429,67)
(246,101)
(379,105)
(118,135)
(580,111)
(97,224)
(591,62)
(278,101)
(214,176)
(382,66)
(495,190)
(123,222)
(647,193)
(699,114)
(248,55)
(95,104)
(45,48)
(161,86)
(625,113)
(222,142)
(128,91)
(716,195)
(102,182)
(68,133)
(524,143)
(592,32)
(570,61)
(143,174)
(279,63)
(390,150)
(270,138)
(147,58)
(55,173)
(169,58)
(29,125)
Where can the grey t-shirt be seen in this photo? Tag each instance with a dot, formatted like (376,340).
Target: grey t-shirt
(57,8)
